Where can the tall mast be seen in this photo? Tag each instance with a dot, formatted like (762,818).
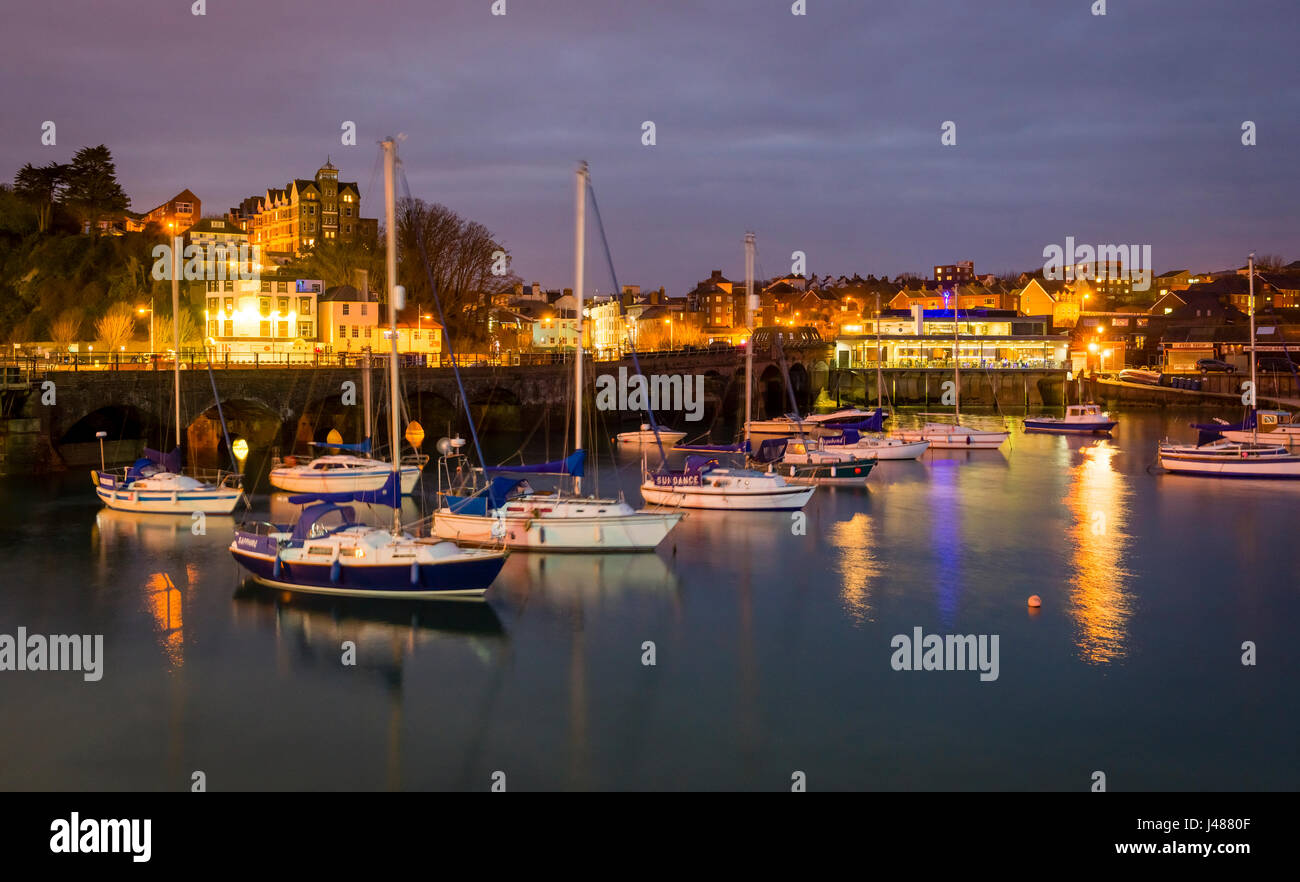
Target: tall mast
(879,375)
(1254,392)
(749,323)
(579,244)
(176,328)
(956,362)
(365,391)
(394,294)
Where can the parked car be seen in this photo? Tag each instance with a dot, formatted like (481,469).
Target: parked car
(1209,365)
(1276,363)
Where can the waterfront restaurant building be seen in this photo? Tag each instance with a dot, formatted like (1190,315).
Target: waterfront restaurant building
(989,338)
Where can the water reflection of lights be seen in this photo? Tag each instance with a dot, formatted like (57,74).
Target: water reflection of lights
(1098,500)
(856,563)
(164,602)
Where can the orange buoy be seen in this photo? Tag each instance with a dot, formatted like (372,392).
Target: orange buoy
(1035,601)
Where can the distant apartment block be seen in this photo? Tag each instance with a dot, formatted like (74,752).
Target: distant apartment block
(955,272)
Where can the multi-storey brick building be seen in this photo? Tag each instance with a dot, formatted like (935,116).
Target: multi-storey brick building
(291,221)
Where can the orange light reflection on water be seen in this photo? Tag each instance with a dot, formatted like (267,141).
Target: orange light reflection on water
(1098,501)
(857,564)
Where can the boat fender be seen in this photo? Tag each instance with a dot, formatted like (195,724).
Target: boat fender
(275,565)
(968,437)
(334,570)
(415,572)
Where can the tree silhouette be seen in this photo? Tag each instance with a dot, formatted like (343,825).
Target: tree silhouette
(92,188)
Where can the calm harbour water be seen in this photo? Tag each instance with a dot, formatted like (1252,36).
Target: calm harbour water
(772,649)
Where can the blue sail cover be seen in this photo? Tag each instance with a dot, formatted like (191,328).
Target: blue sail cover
(1244,426)
(873,423)
(388,494)
(573,464)
(850,436)
(169,462)
(361,447)
(771,450)
(155,461)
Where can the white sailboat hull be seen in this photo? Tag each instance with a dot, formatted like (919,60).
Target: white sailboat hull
(887,448)
(640,531)
(646,438)
(735,492)
(206,499)
(947,437)
(301,479)
(1229,461)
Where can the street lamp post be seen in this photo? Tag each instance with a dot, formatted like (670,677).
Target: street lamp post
(142,310)
(669,323)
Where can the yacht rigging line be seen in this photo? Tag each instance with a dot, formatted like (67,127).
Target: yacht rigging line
(622,310)
(446,334)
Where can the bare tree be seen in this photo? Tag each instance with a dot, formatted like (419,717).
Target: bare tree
(116,327)
(1269,262)
(66,329)
(465,261)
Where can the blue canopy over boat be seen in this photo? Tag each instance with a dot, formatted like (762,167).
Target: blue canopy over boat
(361,447)
(313,513)
(573,464)
(480,504)
(159,461)
(771,450)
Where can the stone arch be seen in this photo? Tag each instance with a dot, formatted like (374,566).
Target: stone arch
(129,429)
(253,420)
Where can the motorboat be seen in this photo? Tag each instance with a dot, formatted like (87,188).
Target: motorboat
(806,461)
(1079,419)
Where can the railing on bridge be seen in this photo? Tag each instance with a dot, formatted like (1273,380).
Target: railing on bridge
(967,364)
(27,366)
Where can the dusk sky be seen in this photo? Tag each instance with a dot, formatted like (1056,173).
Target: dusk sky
(819,132)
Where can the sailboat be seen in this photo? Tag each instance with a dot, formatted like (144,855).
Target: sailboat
(703,482)
(348,469)
(327,551)
(876,443)
(506,510)
(1216,456)
(955,436)
(156,483)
